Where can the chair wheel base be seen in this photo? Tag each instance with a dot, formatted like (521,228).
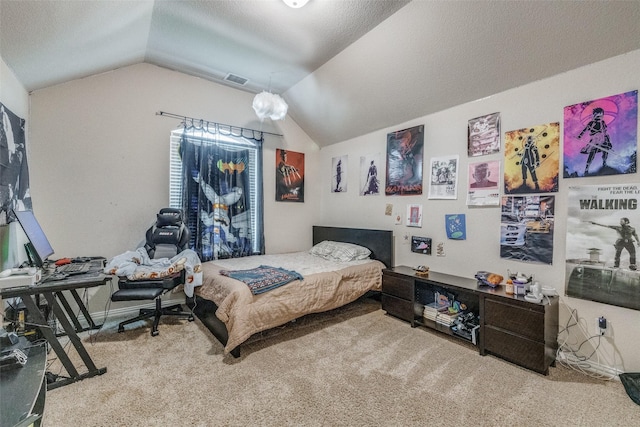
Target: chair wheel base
(146,313)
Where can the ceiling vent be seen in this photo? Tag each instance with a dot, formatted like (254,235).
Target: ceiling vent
(236,79)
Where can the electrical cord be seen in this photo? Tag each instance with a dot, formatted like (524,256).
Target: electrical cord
(107,308)
(567,355)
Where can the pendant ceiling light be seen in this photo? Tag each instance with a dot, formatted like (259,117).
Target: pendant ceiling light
(296,4)
(267,104)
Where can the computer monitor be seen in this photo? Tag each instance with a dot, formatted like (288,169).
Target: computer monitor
(38,248)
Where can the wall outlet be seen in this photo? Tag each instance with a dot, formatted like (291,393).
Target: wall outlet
(603,327)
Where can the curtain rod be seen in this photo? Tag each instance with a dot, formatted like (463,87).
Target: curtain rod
(185,118)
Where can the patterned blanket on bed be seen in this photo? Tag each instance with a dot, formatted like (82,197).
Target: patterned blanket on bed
(264,278)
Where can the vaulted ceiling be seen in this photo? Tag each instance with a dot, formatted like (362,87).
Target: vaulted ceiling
(345,67)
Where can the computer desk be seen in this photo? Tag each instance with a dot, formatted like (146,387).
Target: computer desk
(52,292)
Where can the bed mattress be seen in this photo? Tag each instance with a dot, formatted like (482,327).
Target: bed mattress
(326,285)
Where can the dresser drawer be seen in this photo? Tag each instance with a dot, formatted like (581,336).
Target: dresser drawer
(518,320)
(519,350)
(398,307)
(401,288)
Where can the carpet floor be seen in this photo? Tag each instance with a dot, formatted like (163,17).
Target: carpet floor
(353,366)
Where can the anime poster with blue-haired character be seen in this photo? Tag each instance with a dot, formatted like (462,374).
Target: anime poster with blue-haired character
(601,136)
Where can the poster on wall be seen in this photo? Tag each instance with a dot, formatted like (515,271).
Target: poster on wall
(532,159)
(443,183)
(14,170)
(405,150)
(483,135)
(289,176)
(414,215)
(526,228)
(339,174)
(483,184)
(600,136)
(369,182)
(602,240)
(456,226)
(421,245)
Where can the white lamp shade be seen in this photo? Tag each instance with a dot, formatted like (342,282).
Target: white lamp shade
(296,4)
(267,104)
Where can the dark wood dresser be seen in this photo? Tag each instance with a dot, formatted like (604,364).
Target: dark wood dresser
(510,327)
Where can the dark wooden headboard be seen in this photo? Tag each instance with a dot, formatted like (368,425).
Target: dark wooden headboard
(379,242)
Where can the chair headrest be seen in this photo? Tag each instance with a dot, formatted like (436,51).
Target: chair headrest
(168,236)
(169,217)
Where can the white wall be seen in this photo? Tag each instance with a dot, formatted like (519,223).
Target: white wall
(12,92)
(445,134)
(100,156)
(99,159)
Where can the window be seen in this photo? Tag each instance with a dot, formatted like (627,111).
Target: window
(216,178)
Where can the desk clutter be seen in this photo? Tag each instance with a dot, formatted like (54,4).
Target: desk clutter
(42,312)
(11,355)
(66,267)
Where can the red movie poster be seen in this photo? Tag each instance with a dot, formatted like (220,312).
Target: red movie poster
(289,176)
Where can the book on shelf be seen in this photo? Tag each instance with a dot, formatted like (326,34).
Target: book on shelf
(447,318)
(436,307)
(439,313)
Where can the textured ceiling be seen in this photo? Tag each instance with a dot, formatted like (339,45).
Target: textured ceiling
(52,41)
(346,67)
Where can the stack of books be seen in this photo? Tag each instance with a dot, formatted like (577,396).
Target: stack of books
(447,318)
(440,313)
(432,310)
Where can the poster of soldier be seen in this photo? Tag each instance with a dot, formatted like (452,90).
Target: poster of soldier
(601,244)
(369,181)
(531,159)
(339,174)
(600,136)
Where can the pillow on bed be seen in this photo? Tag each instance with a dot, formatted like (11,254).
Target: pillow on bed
(339,251)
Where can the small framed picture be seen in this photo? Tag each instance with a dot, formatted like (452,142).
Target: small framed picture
(414,215)
(421,245)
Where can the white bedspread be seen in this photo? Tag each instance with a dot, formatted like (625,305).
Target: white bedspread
(326,285)
(302,262)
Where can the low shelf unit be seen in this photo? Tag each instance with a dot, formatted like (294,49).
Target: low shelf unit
(507,326)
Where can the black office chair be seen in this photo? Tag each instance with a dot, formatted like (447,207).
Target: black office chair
(165,239)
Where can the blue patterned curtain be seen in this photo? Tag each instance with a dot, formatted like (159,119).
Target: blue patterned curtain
(222,191)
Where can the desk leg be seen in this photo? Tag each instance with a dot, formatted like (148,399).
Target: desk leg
(50,336)
(75,340)
(84,310)
(67,308)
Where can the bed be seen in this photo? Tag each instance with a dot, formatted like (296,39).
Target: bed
(229,309)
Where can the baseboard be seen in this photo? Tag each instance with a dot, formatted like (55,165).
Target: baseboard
(124,312)
(592,367)
(605,370)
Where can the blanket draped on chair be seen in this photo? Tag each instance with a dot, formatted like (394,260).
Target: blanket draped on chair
(137,265)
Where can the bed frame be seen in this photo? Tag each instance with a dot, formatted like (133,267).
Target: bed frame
(380,242)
